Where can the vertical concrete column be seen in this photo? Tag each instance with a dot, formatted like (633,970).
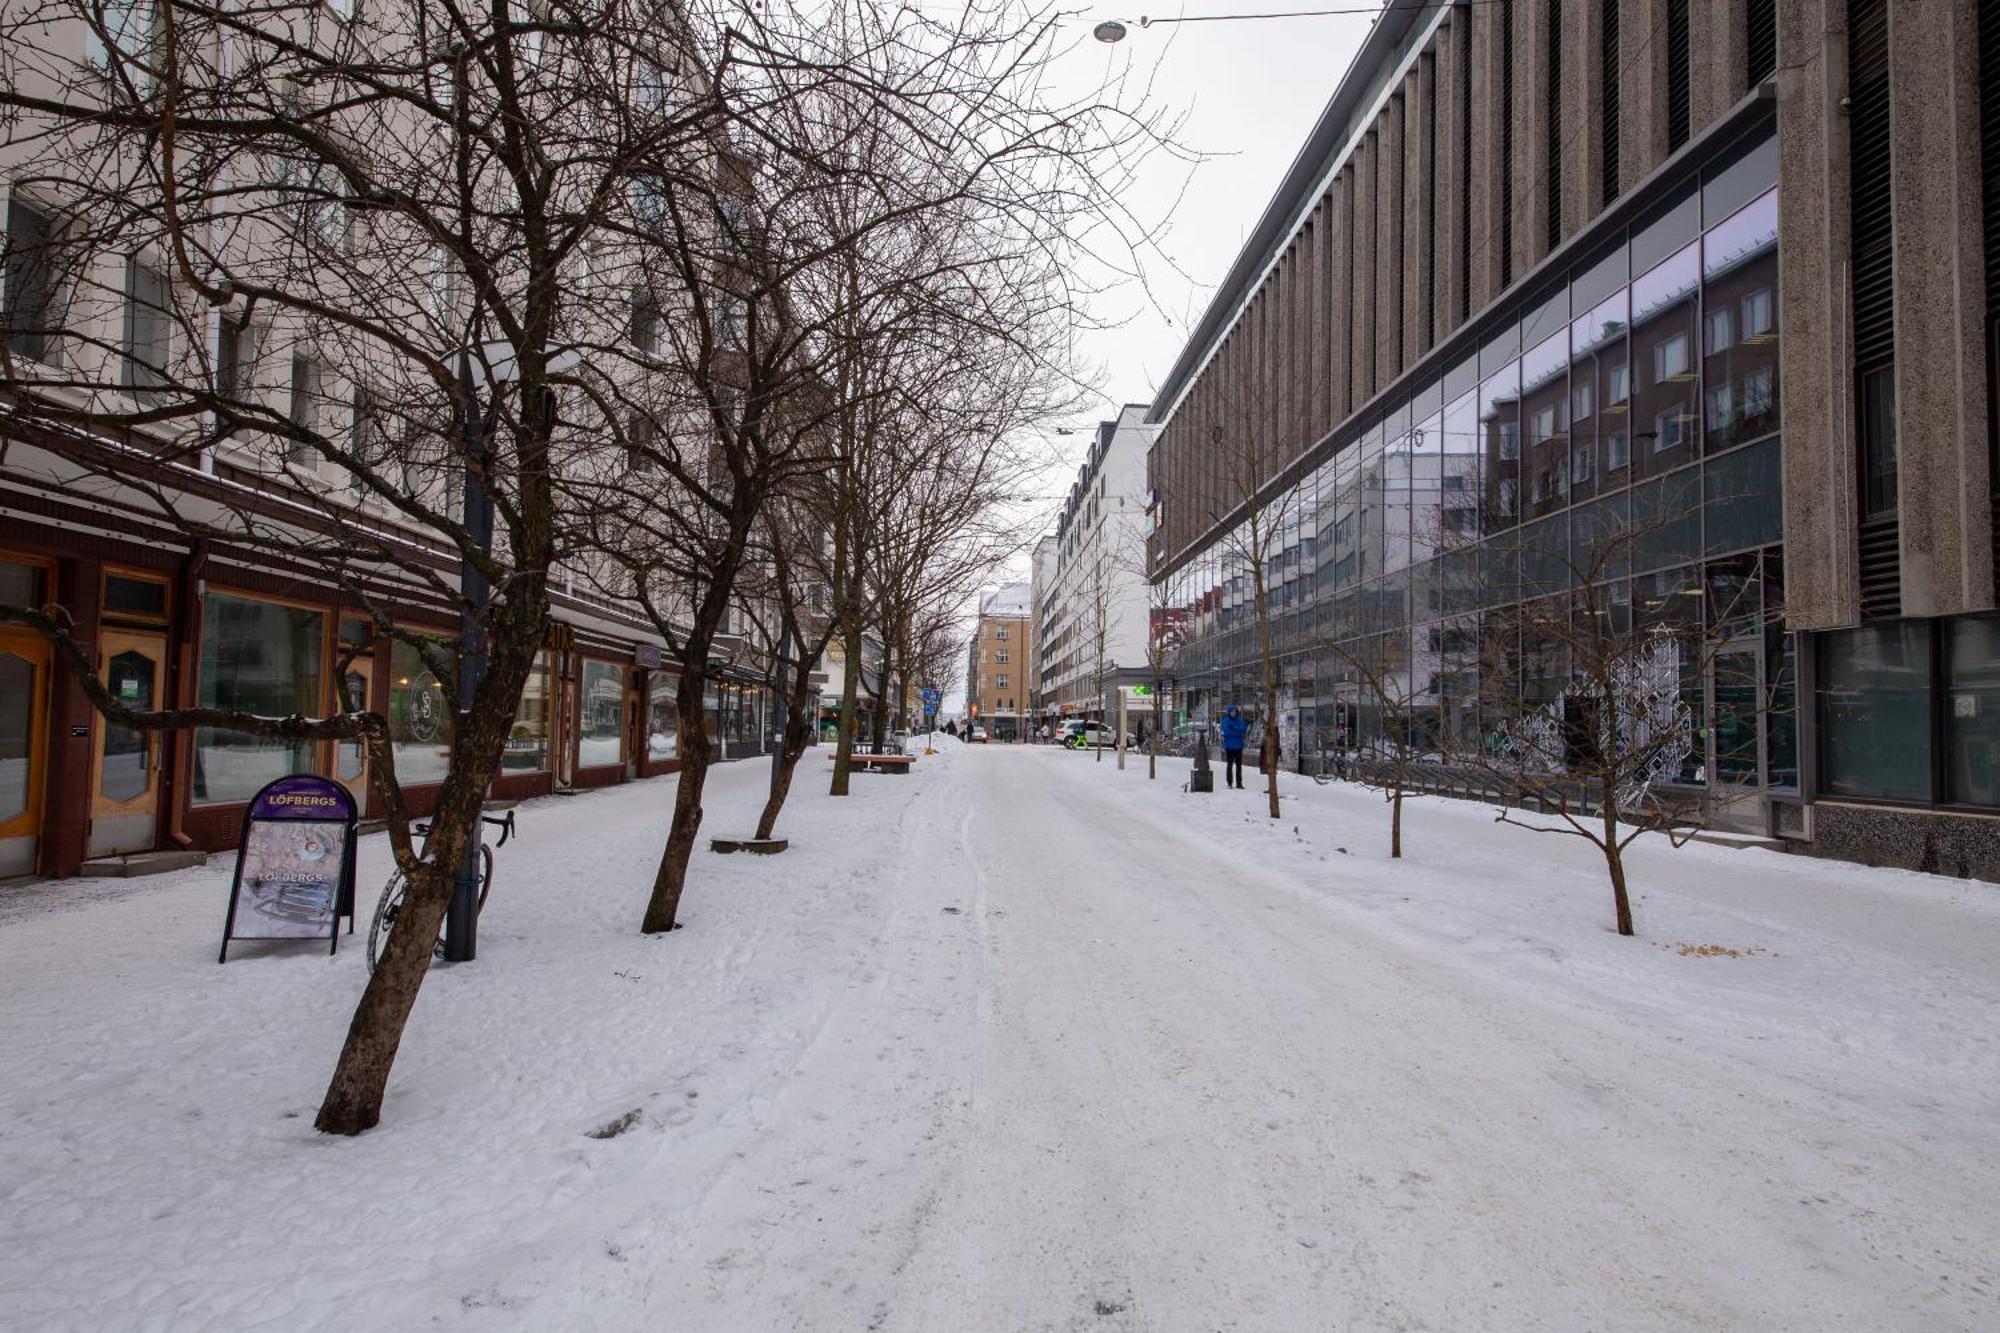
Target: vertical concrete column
(1531,132)
(1389,312)
(1299,337)
(1583,113)
(1642,89)
(1718,60)
(1816,386)
(1452,51)
(1284,362)
(1340,288)
(1945,517)
(1418,176)
(1312,305)
(1488,106)
(1364,270)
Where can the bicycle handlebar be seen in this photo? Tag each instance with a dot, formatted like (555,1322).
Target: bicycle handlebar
(505,823)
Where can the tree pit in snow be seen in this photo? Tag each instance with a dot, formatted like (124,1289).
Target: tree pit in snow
(612,1128)
(758,846)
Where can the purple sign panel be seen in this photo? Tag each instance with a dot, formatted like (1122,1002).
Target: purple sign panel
(295,867)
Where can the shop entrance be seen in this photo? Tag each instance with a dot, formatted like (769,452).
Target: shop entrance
(24,747)
(125,768)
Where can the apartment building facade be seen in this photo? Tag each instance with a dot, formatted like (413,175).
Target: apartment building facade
(1092,613)
(100,520)
(996,669)
(1718,281)
(1041,587)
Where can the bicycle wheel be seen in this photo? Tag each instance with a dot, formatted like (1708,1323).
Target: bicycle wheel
(386,913)
(485,873)
(385,918)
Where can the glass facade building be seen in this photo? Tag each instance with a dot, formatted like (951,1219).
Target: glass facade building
(1471,421)
(1617,426)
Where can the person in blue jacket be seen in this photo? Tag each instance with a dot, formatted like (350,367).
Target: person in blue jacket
(1233,729)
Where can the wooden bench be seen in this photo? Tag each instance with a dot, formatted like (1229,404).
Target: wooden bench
(881,763)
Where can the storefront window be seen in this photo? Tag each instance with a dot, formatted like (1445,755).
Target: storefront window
(600,735)
(528,738)
(1972,709)
(662,717)
(266,658)
(1874,711)
(420,716)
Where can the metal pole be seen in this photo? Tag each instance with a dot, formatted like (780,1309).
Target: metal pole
(461,923)
(779,703)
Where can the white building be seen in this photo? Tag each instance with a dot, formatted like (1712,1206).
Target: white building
(1091,612)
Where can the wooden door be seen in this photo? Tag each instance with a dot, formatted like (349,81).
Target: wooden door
(125,765)
(24,747)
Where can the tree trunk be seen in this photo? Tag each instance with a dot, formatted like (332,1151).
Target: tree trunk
(1614,861)
(1396,824)
(353,1100)
(663,907)
(1153,741)
(850,687)
(796,741)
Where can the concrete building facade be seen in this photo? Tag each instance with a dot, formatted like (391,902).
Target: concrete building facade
(1092,613)
(1716,280)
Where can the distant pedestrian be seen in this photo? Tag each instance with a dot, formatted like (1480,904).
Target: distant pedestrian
(1233,729)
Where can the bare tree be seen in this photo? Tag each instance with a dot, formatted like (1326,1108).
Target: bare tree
(1395,747)
(1594,682)
(345,340)
(1261,511)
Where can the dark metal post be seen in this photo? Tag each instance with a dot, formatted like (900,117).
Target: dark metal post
(779,703)
(461,923)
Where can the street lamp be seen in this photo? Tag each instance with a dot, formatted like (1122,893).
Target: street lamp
(1112,31)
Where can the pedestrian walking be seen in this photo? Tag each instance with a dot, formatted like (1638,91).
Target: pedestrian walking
(1234,729)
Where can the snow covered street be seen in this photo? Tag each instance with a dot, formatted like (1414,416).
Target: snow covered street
(1020,1041)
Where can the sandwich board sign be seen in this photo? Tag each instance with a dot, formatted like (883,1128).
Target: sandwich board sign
(295,865)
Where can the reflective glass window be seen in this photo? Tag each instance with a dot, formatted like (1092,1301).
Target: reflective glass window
(1972,709)
(1739,328)
(1743,498)
(1874,711)
(528,739)
(1663,341)
(1500,448)
(420,715)
(1545,407)
(266,658)
(1398,467)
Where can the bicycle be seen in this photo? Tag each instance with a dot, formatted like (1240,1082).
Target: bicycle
(391,904)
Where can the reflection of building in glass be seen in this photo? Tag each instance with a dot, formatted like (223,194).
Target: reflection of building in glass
(1600,407)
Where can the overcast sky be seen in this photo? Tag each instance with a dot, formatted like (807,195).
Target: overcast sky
(1247,94)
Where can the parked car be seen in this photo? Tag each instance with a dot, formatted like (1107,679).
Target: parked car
(1083,734)
(976,733)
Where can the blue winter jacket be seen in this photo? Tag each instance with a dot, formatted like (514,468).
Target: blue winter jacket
(1233,731)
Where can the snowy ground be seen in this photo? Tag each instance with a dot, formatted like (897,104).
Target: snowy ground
(1019,1041)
